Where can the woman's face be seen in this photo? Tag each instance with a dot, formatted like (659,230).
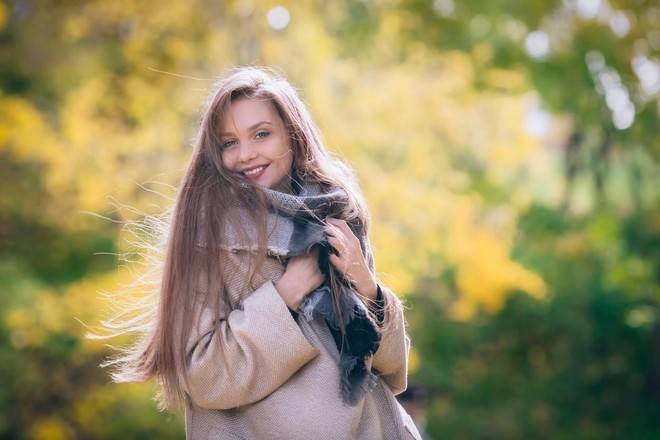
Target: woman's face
(255,144)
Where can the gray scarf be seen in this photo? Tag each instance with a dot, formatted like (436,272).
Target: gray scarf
(295,225)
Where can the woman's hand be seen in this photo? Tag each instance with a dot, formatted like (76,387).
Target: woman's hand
(301,276)
(349,259)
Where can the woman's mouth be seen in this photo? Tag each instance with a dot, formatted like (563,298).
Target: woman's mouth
(253,173)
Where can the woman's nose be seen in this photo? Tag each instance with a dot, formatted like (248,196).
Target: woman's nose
(247,152)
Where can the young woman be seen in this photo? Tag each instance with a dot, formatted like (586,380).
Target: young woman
(270,323)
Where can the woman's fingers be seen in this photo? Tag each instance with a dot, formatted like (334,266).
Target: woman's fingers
(340,224)
(338,245)
(340,236)
(301,276)
(349,259)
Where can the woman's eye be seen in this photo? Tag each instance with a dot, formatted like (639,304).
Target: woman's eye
(229,143)
(262,134)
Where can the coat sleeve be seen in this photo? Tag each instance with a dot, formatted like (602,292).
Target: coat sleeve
(245,356)
(391,358)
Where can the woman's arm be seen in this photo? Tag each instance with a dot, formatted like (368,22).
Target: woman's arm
(250,353)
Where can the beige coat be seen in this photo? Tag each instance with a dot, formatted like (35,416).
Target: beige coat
(266,376)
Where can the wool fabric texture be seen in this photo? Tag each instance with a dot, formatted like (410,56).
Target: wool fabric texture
(295,225)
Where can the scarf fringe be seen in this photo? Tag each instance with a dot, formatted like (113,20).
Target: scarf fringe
(360,343)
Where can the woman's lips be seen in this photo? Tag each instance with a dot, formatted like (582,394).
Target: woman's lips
(254,173)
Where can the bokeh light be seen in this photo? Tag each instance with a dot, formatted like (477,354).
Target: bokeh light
(278,17)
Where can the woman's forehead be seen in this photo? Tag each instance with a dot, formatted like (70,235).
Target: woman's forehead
(245,113)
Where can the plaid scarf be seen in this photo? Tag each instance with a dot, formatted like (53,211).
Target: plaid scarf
(294,226)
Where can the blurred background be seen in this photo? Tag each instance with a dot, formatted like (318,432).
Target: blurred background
(508,151)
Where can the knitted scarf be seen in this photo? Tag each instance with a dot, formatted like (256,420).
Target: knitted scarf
(294,226)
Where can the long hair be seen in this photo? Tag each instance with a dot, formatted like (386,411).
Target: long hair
(207,187)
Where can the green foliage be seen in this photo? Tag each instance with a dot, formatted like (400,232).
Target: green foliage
(594,62)
(528,320)
(57,388)
(577,365)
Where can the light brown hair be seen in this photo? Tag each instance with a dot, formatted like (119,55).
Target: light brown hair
(207,187)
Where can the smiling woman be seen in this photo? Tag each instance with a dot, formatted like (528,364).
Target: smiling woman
(270,322)
(255,145)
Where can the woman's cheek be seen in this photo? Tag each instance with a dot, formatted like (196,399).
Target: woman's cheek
(228,161)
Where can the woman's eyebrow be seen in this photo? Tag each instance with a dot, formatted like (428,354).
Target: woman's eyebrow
(250,128)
